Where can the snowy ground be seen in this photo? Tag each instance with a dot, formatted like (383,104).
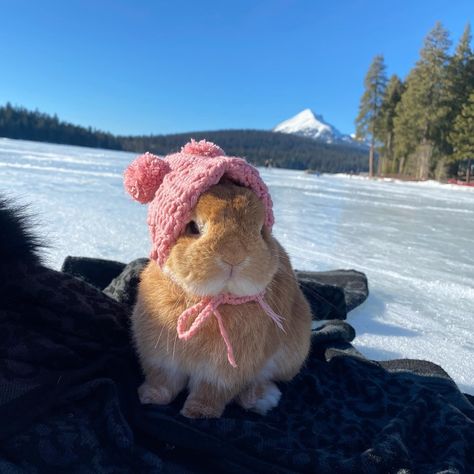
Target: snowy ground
(413,240)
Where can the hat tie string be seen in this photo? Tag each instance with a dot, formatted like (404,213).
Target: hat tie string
(208,306)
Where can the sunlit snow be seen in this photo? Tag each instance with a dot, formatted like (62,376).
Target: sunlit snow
(413,240)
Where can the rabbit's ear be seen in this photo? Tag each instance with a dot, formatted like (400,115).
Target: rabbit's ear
(143,177)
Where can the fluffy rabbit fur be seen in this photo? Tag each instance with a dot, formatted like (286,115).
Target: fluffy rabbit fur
(225,249)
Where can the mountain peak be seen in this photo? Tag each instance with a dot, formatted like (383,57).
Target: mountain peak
(309,124)
(306,113)
(309,115)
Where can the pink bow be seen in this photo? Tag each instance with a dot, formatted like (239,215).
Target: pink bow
(208,306)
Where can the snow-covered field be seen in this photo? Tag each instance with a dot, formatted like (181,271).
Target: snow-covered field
(413,240)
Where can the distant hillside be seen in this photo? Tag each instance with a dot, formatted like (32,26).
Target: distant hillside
(18,122)
(258,146)
(286,151)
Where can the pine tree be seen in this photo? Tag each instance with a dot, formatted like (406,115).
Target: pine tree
(460,79)
(392,97)
(460,73)
(422,112)
(368,120)
(462,135)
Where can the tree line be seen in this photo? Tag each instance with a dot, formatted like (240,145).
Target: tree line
(423,126)
(21,123)
(258,146)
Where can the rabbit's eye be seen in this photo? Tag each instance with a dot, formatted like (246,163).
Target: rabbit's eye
(192,228)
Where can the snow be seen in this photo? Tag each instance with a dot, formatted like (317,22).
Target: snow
(413,240)
(307,124)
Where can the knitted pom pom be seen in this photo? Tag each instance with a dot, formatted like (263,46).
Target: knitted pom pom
(143,177)
(202,148)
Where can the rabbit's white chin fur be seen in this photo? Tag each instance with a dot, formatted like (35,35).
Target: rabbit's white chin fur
(242,287)
(237,285)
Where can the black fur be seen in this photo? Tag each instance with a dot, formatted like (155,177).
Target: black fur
(18,242)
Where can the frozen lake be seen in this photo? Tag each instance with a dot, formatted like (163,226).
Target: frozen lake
(413,240)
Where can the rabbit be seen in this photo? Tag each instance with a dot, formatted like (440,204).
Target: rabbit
(225,248)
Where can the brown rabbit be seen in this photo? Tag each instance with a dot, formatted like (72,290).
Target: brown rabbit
(225,248)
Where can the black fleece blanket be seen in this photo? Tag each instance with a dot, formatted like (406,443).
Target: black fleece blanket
(68,402)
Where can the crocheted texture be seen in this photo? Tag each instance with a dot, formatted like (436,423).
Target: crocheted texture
(202,148)
(208,306)
(180,179)
(143,177)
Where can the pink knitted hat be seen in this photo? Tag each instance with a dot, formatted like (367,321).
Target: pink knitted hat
(174,183)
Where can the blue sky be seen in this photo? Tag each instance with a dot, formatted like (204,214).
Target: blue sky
(163,67)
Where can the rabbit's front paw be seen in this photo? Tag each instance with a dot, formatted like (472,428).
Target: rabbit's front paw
(157,395)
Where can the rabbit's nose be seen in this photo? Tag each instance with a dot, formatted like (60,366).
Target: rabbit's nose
(232,252)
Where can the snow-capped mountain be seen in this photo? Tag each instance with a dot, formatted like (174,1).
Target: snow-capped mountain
(308,124)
